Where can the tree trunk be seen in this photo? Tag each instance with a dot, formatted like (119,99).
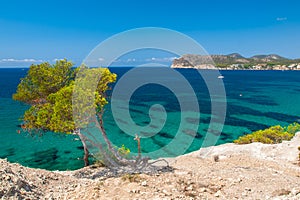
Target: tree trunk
(85,149)
(109,144)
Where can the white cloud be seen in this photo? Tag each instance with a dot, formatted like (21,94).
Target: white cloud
(170,58)
(7,60)
(131,60)
(165,59)
(281,18)
(30,60)
(26,60)
(146,61)
(101,59)
(57,59)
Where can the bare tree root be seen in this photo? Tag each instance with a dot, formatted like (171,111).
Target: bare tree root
(118,164)
(106,172)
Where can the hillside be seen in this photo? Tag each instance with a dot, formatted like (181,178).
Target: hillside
(236,61)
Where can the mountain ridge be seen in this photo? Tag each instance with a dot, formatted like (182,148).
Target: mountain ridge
(236,61)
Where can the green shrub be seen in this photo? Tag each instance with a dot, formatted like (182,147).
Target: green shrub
(124,151)
(101,160)
(272,135)
(293,128)
(131,178)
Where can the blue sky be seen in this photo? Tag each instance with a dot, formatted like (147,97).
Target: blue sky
(34,31)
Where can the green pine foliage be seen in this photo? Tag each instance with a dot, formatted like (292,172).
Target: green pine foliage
(272,135)
(49,89)
(44,79)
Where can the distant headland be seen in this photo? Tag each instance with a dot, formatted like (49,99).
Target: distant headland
(236,61)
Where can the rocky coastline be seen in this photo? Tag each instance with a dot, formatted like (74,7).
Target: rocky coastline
(236,62)
(229,171)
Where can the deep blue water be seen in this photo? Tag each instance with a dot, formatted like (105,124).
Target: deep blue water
(255,100)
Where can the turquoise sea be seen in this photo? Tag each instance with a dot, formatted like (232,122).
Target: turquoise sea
(255,100)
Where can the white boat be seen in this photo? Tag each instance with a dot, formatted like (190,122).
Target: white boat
(220,76)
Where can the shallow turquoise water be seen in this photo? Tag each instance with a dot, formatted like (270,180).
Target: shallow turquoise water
(255,100)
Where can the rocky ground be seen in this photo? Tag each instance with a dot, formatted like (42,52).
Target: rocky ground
(254,171)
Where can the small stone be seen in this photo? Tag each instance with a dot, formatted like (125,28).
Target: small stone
(216,158)
(180,172)
(166,192)
(218,193)
(294,191)
(189,188)
(136,191)
(281,192)
(7,178)
(144,183)
(238,180)
(244,194)
(203,189)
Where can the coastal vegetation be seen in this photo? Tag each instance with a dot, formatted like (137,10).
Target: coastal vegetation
(101,159)
(48,90)
(69,100)
(273,135)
